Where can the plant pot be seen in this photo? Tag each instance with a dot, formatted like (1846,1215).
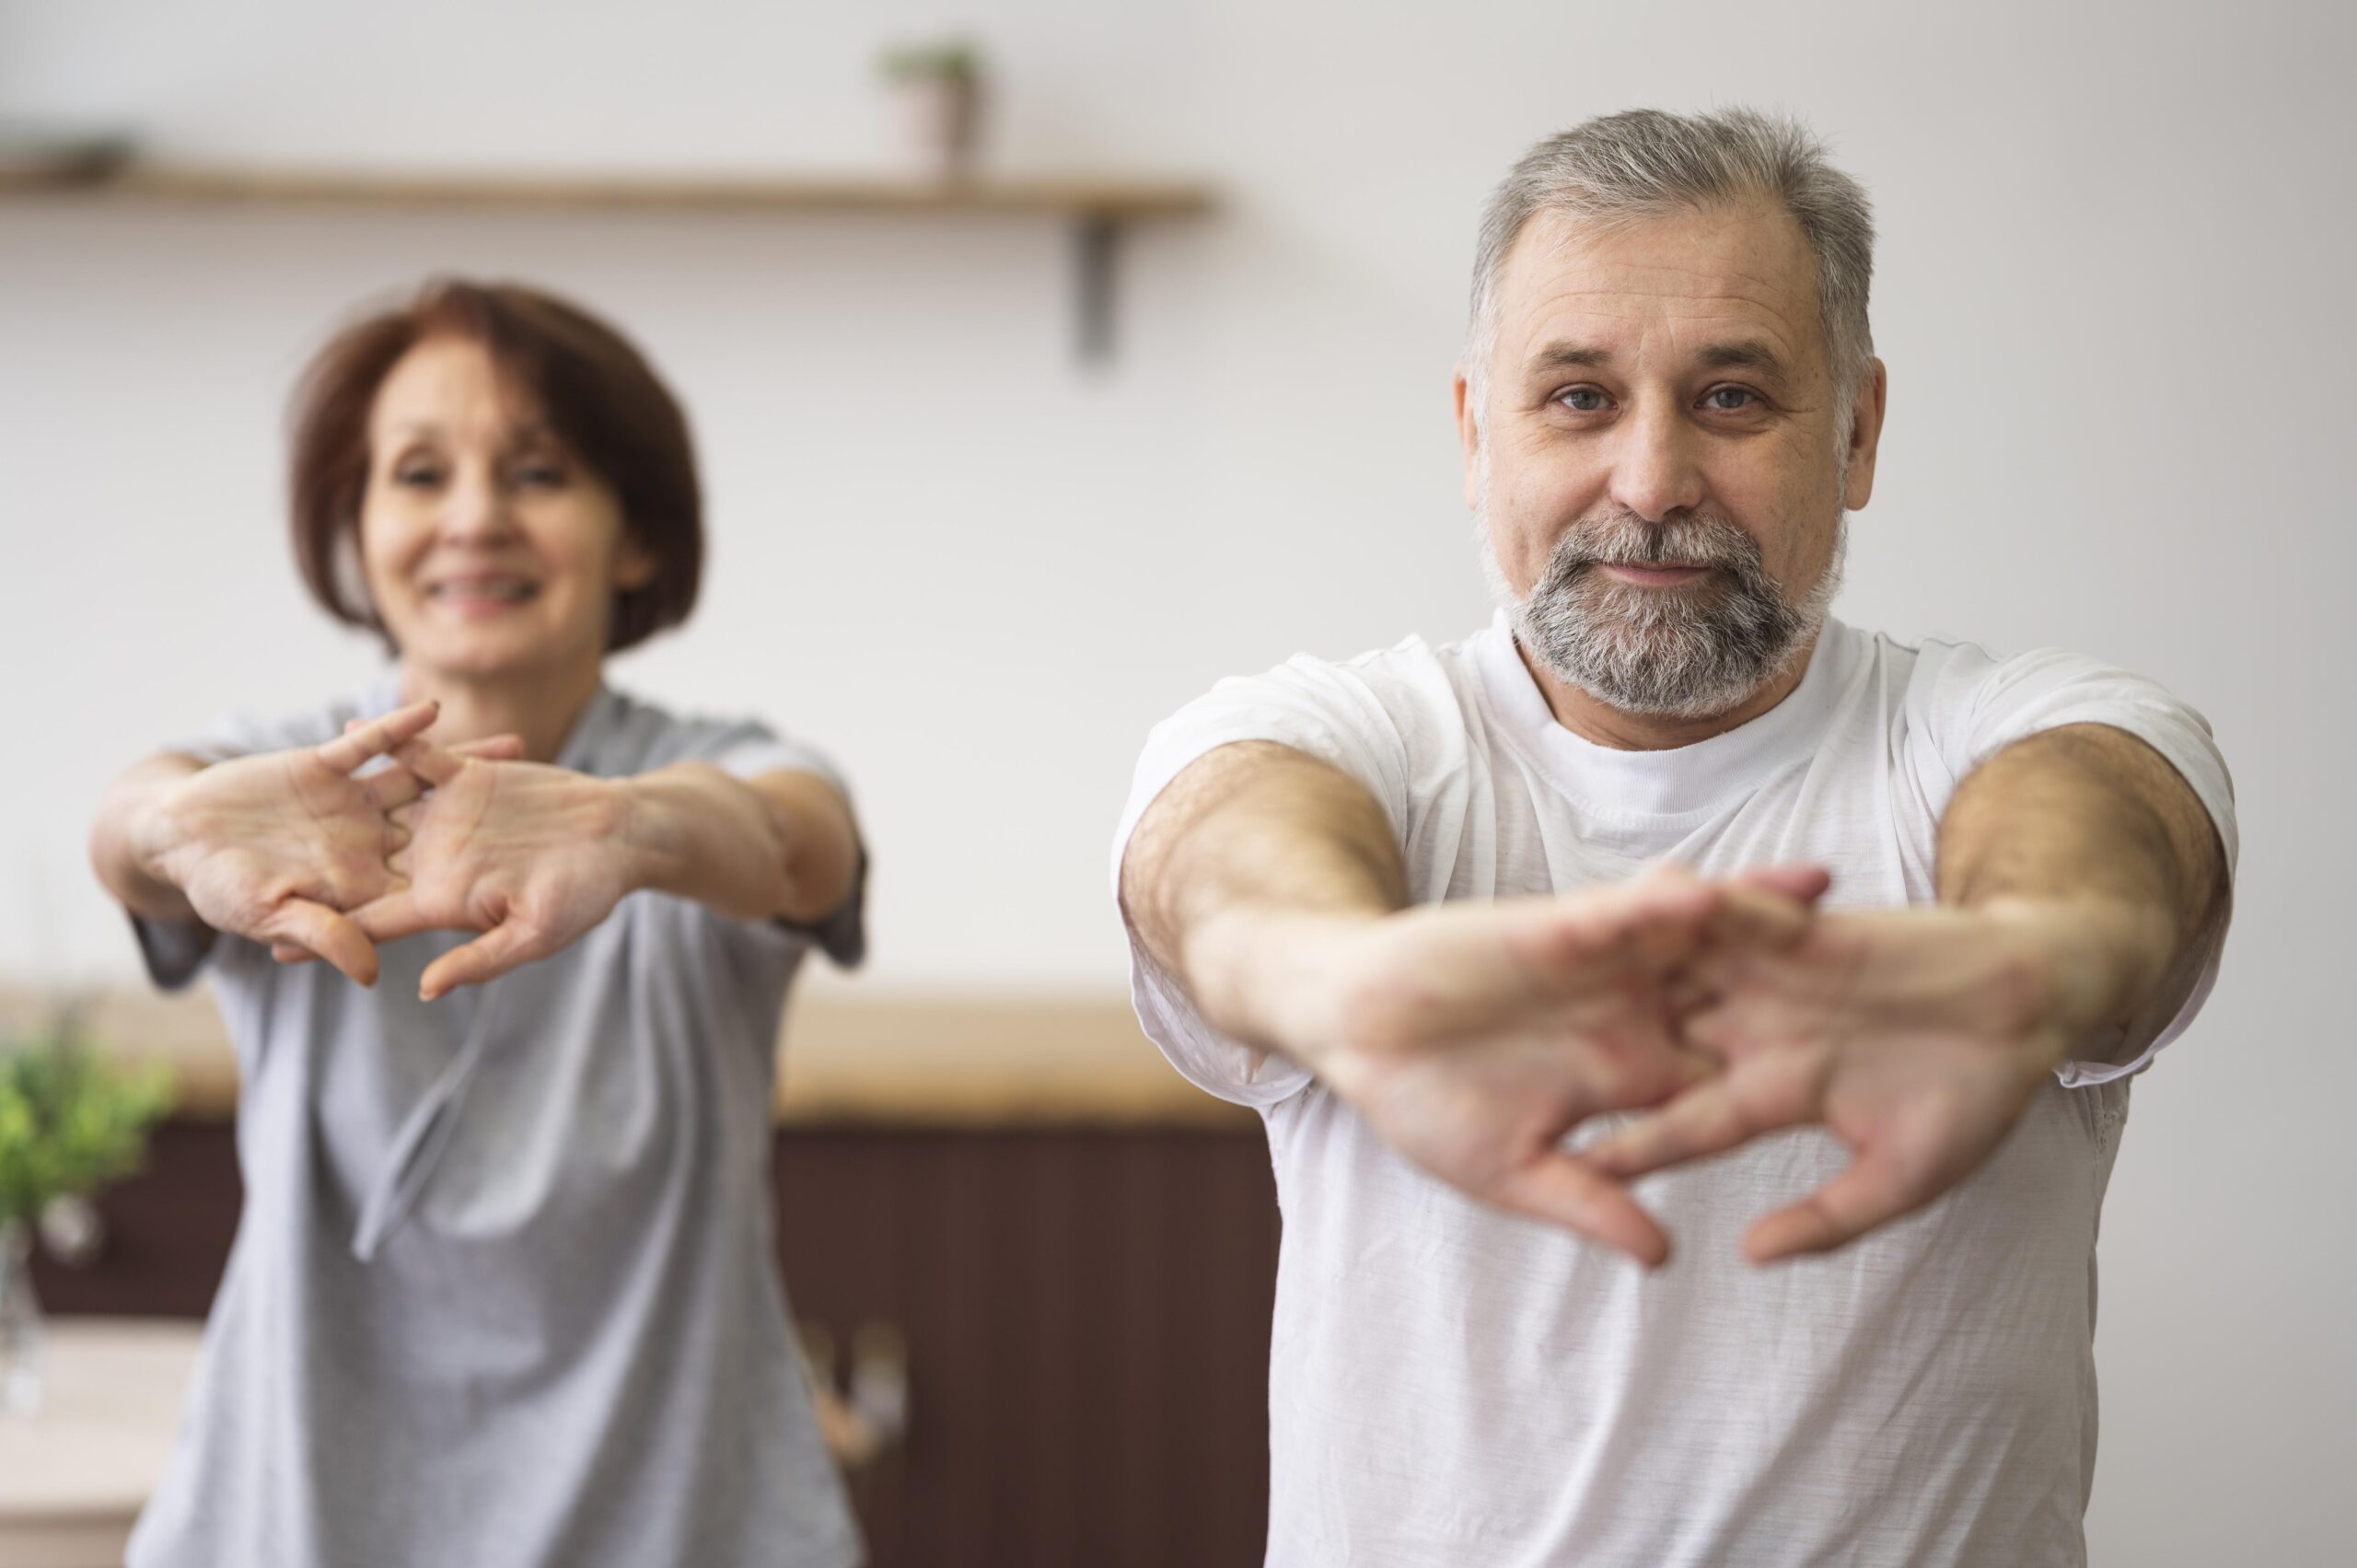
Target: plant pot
(22,1346)
(941,122)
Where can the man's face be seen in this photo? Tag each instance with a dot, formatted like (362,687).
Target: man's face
(1657,467)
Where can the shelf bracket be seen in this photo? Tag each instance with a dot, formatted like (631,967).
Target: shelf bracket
(1095,241)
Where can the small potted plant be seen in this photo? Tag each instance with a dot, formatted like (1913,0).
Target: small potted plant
(70,1122)
(939,85)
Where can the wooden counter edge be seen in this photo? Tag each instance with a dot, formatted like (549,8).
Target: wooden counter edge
(935,1061)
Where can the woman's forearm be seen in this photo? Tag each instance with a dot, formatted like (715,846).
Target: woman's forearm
(781,846)
(130,823)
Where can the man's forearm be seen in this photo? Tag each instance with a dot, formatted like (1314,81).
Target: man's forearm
(1240,864)
(2089,819)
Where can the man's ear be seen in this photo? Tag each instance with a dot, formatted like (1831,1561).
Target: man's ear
(1865,436)
(1469,438)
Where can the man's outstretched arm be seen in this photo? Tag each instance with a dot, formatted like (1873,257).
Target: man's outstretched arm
(1472,1037)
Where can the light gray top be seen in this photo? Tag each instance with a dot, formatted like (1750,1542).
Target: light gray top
(503,1291)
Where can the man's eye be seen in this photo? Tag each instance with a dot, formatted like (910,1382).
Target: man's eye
(1582,399)
(1730,399)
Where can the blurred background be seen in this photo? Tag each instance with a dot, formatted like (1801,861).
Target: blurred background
(974,539)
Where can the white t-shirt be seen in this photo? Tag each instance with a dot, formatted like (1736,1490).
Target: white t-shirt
(1454,1387)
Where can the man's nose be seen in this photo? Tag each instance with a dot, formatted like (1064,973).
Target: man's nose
(1656,468)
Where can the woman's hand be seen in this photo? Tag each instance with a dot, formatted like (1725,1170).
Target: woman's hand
(277,847)
(530,855)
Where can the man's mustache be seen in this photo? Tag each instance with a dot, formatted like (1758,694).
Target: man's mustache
(1629,540)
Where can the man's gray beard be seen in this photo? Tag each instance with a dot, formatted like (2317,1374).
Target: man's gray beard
(1694,651)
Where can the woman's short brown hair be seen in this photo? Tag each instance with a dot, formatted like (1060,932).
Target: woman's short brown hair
(600,395)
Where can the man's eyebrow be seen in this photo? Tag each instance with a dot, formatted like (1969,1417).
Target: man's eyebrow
(1568,357)
(1738,353)
(1745,354)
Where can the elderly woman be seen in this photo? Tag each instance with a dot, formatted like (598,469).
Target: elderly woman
(502,1290)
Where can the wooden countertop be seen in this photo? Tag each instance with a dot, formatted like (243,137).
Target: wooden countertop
(923,1061)
(74,1476)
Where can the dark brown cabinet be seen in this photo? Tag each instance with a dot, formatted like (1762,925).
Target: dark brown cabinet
(1085,1312)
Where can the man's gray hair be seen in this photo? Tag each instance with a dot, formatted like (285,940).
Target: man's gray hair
(1645,162)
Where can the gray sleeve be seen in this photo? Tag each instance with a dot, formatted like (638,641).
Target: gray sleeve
(173,950)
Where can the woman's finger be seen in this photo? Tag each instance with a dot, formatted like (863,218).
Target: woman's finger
(400,783)
(395,786)
(333,936)
(392,917)
(376,738)
(433,763)
(504,748)
(503,947)
(287,953)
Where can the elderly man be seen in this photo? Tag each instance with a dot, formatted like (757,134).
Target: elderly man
(1662,862)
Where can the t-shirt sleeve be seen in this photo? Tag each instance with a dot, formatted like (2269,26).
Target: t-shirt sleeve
(1327,711)
(748,750)
(1982,704)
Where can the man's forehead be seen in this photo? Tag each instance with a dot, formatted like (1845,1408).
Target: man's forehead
(1690,281)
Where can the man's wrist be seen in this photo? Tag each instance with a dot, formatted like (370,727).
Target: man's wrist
(2104,956)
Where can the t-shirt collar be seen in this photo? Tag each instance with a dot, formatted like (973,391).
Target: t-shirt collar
(1679,781)
(583,742)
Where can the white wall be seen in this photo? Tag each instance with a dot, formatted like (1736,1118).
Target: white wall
(2112,291)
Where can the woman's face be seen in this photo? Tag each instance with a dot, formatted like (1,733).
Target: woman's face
(489,549)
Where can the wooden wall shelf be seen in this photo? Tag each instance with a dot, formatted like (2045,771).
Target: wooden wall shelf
(1098,209)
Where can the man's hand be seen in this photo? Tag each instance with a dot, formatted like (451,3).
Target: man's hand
(530,855)
(1474,1036)
(1918,1037)
(276,847)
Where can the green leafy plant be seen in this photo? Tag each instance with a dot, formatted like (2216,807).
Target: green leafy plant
(954,60)
(70,1119)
